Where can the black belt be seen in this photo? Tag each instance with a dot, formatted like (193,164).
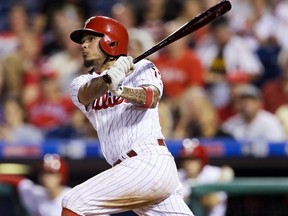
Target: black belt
(132,153)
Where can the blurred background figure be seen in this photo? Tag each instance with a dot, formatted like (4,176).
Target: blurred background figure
(277,86)
(194,169)
(128,13)
(190,9)
(15,129)
(167,120)
(180,68)
(155,13)
(282,114)
(67,62)
(258,26)
(222,53)
(18,23)
(280,8)
(21,68)
(77,127)
(61,16)
(43,199)
(197,116)
(52,108)
(252,123)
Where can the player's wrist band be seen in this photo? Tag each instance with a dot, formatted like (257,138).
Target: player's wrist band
(149,97)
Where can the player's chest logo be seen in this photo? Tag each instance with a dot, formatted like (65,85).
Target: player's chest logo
(107,100)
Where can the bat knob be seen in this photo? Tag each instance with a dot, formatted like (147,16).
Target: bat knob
(107,78)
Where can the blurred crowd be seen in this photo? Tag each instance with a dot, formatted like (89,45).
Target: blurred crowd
(228,79)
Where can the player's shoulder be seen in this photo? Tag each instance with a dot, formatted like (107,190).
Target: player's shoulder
(144,65)
(32,188)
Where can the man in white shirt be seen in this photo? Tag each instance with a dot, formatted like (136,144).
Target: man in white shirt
(253,123)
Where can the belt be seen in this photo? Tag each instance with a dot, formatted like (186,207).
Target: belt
(132,153)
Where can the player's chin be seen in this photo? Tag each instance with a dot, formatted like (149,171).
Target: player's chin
(89,63)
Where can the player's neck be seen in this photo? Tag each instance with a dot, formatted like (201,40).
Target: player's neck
(55,192)
(103,67)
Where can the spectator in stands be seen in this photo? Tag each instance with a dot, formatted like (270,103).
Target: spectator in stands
(52,108)
(275,91)
(252,123)
(18,22)
(261,29)
(67,62)
(197,116)
(194,169)
(127,13)
(233,80)
(1,95)
(77,127)
(258,28)
(256,23)
(62,15)
(180,68)
(190,9)
(282,114)
(167,121)
(157,12)
(15,129)
(222,53)
(21,69)
(280,13)
(42,199)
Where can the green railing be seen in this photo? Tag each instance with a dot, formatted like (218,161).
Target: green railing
(241,187)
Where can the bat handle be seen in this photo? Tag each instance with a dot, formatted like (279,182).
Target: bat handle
(107,78)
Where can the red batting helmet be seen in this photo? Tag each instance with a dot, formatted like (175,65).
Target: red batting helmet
(114,35)
(191,149)
(53,163)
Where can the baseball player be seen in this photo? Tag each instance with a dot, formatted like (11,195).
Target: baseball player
(143,177)
(195,170)
(44,199)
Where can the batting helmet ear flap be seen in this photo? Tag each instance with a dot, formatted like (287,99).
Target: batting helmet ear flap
(109,46)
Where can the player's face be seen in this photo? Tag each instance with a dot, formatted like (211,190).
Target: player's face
(91,53)
(192,167)
(51,180)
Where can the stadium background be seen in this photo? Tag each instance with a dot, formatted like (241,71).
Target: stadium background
(260,186)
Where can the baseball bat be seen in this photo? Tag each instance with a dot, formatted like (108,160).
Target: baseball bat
(191,26)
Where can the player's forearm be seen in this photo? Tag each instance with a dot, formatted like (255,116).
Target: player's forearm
(92,90)
(138,96)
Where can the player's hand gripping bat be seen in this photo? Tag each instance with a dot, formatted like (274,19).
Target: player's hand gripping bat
(193,25)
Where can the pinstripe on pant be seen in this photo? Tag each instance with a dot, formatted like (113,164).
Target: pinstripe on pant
(148,184)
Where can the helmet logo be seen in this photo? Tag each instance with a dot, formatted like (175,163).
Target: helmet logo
(87,22)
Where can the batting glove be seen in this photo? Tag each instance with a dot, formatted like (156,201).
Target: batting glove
(125,63)
(117,76)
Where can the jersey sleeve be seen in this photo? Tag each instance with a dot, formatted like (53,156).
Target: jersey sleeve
(146,73)
(27,192)
(75,86)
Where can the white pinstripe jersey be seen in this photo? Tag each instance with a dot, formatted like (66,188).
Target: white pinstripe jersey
(120,125)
